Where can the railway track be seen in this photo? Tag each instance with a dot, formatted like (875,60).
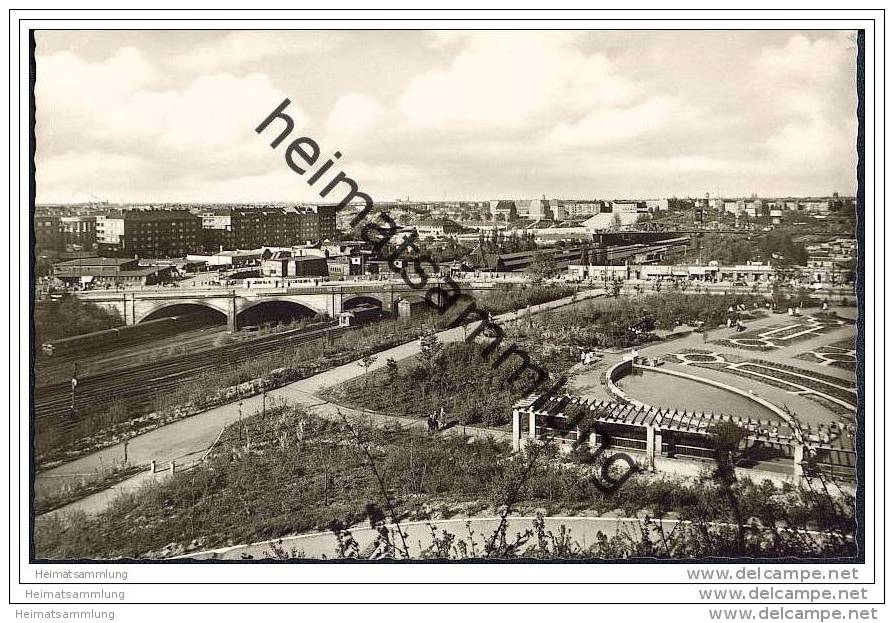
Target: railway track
(139,385)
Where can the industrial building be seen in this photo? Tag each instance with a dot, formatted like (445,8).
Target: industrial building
(110,271)
(292,266)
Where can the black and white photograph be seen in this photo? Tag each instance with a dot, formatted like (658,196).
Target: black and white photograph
(391,298)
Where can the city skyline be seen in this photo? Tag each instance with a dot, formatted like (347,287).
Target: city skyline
(458,115)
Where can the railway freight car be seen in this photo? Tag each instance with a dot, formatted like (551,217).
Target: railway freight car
(130,334)
(361,314)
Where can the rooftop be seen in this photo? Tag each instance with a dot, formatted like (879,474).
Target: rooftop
(96,261)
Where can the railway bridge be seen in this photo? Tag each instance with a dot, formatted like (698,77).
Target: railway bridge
(138,305)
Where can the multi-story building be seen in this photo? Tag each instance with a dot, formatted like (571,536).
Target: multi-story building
(536,209)
(658,205)
(427,228)
(253,227)
(302,226)
(149,233)
(557,206)
(326,217)
(503,210)
(620,213)
(161,233)
(585,208)
(217,219)
(78,232)
(628,206)
(109,232)
(47,233)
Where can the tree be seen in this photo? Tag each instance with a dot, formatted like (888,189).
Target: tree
(727,249)
(542,266)
(729,444)
(429,350)
(778,247)
(615,286)
(70,316)
(393,370)
(366,363)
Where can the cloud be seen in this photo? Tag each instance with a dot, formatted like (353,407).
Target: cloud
(462,114)
(245,47)
(813,102)
(74,174)
(354,119)
(506,79)
(116,112)
(617,126)
(803,61)
(72,94)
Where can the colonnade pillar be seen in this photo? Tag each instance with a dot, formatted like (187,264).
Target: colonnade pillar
(798,469)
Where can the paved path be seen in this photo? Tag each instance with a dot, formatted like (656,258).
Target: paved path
(100,501)
(582,530)
(185,438)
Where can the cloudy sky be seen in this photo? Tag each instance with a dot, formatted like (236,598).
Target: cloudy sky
(170,115)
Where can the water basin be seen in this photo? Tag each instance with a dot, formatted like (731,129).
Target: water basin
(673,392)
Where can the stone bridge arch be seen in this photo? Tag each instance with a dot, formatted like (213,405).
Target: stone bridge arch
(385,300)
(144,308)
(350,301)
(278,306)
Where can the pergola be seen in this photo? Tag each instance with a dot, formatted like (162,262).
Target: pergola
(658,431)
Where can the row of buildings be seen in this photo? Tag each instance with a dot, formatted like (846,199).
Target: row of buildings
(741,274)
(602,214)
(164,232)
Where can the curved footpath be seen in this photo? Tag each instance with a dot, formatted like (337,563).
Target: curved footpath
(316,545)
(192,435)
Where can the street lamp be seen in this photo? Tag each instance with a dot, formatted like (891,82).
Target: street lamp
(74,384)
(240,418)
(264,397)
